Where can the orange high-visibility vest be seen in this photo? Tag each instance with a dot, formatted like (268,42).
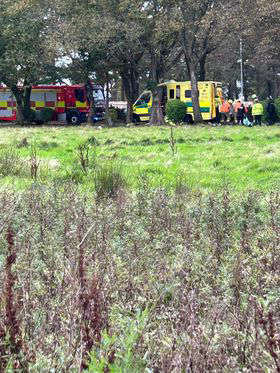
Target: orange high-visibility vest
(237,106)
(225,107)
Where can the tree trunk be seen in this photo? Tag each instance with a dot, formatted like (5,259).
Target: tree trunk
(26,103)
(157,117)
(195,94)
(19,99)
(202,68)
(122,92)
(129,112)
(90,99)
(22,97)
(131,89)
(107,93)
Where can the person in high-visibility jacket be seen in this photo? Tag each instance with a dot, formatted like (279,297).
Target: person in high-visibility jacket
(257,112)
(224,111)
(236,106)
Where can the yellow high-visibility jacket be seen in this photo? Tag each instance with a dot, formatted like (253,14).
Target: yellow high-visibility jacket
(257,109)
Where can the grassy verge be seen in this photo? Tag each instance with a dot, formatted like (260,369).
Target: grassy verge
(206,158)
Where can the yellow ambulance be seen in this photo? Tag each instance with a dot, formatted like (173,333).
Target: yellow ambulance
(210,97)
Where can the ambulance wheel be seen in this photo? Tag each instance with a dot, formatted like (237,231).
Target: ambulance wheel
(136,118)
(73,118)
(188,119)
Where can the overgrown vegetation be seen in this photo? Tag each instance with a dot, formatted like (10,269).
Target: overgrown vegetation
(149,281)
(175,111)
(109,179)
(10,162)
(277,106)
(44,115)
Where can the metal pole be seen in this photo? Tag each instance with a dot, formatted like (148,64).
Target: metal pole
(241,70)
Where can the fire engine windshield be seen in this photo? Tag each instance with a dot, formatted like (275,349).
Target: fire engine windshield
(98,94)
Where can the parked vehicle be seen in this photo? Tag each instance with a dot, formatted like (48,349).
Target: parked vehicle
(69,102)
(210,97)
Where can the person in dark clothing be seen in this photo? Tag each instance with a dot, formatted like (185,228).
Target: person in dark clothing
(271,112)
(240,114)
(249,113)
(248,117)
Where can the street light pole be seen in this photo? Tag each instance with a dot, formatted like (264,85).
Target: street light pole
(241,70)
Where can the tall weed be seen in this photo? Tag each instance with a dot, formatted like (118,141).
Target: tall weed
(11,164)
(109,179)
(149,281)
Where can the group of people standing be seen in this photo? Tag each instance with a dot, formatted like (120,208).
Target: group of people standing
(237,113)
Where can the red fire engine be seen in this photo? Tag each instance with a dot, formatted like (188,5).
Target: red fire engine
(69,102)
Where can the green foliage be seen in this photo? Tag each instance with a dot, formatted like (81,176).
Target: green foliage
(176,111)
(125,360)
(109,179)
(29,115)
(92,141)
(73,174)
(265,114)
(26,41)
(86,155)
(121,114)
(45,115)
(205,155)
(151,85)
(113,114)
(156,268)
(11,163)
(277,106)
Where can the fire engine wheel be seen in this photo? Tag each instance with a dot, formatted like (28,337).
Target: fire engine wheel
(74,118)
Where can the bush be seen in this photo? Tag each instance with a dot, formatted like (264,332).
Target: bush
(45,115)
(29,114)
(108,180)
(113,114)
(176,111)
(11,163)
(277,106)
(121,114)
(264,103)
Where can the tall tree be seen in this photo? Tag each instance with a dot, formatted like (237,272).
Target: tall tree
(201,25)
(160,44)
(111,26)
(27,56)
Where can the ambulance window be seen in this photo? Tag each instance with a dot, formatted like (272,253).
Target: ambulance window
(178,92)
(79,94)
(171,94)
(188,93)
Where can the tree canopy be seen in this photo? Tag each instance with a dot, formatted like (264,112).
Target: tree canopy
(142,43)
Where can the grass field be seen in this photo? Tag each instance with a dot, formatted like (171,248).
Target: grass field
(206,158)
(137,279)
